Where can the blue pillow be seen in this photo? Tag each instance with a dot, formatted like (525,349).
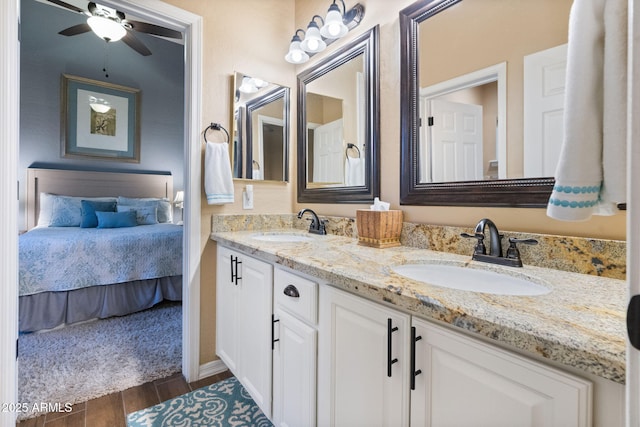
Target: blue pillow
(89,209)
(116,219)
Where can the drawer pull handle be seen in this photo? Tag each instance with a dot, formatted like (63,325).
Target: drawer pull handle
(291,291)
(414,372)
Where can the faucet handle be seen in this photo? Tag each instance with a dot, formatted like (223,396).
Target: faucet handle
(513,252)
(480,247)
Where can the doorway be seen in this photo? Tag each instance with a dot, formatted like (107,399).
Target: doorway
(162,14)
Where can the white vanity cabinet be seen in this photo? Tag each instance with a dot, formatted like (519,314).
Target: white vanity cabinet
(465,382)
(363,362)
(244,287)
(294,350)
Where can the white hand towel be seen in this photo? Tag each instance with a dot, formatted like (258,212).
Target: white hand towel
(591,172)
(353,172)
(218,181)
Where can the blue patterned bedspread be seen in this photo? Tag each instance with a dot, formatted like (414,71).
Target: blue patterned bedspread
(66,258)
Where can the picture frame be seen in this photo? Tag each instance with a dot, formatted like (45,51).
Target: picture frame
(99,120)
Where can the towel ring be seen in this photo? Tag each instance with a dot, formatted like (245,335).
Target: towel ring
(349,146)
(215,126)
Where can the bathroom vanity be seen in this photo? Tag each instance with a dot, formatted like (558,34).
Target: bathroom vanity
(323,331)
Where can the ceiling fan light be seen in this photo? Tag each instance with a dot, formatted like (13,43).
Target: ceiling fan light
(333,27)
(106,28)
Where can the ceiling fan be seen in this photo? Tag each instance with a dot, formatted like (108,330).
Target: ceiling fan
(111,25)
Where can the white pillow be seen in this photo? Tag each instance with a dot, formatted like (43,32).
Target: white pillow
(165,211)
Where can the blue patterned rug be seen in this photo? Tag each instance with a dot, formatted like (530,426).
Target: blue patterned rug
(222,404)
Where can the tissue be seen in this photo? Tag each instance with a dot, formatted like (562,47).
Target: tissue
(379,205)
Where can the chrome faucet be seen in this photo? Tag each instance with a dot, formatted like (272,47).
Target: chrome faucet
(495,247)
(317,225)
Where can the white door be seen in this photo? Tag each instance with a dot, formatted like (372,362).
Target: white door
(328,155)
(254,330)
(464,382)
(354,356)
(456,141)
(633,214)
(544,88)
(294,373)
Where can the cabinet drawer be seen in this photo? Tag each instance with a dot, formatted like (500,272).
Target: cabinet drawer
(296,295)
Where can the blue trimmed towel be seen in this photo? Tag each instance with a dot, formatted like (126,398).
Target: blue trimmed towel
(218,181)
(591,172)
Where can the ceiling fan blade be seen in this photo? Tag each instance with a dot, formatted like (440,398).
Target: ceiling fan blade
(135,44)
(144,27)
(66,5)
(76,29)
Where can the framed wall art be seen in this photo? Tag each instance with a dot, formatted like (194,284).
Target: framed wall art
(99,120)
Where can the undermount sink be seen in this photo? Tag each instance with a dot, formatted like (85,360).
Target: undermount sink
(471,279)
(284,237)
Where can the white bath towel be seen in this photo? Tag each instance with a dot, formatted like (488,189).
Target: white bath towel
(591,172)
(218,181)
(353,172)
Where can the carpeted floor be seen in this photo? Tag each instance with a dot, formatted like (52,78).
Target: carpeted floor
(89,360)
(222,404)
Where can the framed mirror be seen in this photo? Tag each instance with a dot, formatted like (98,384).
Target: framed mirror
(491,66)
(260,138)
(338,125)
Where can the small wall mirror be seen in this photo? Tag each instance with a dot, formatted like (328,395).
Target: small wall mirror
(260,141)
(481,109)
(338,125)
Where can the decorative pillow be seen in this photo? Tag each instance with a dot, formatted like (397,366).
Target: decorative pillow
(65,212)
(116,219)
(88,211)
(165,212)
(46,206)
(145,215)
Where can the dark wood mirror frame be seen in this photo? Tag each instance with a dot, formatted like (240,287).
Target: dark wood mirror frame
(366,44)
(523,192)
(254,105)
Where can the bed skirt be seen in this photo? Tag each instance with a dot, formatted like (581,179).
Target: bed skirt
(48,310)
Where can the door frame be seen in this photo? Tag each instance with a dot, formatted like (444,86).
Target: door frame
(159,13)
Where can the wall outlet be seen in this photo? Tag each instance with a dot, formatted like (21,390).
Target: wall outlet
(247,197)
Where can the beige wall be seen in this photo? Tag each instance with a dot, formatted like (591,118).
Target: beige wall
(231,44)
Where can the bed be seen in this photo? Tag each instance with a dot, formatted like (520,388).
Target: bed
(98,244)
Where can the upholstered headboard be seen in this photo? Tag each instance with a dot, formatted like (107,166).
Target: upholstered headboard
(92,184)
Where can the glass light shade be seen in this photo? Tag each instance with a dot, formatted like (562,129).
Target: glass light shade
(313,40)
(106,29)
(333,27)
(248,86)
(296,55)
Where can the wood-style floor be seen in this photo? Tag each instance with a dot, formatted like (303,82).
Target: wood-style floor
(112,410)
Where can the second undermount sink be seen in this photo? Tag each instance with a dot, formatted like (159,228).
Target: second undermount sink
(472,279)
(285,237)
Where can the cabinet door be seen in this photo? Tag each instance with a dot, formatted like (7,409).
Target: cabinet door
(254,330)
(226,311)
(294,372)
(354,356)
(465,382)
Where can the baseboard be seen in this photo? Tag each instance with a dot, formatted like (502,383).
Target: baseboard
(211,368)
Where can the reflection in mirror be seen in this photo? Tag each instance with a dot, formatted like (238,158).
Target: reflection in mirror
(260,129)
(338,125)
(486,147)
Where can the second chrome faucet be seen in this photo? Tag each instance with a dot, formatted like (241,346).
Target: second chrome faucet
(512,258)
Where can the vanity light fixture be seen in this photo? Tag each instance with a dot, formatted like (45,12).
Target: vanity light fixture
(313,42)
(252,84)
(335,25)
(296,55)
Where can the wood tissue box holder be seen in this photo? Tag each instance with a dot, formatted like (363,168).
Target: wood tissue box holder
(379,229)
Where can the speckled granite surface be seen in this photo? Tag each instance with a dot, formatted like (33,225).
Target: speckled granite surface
(580,323)
(605,258)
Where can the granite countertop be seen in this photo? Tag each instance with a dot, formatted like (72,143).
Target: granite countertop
(580,323)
